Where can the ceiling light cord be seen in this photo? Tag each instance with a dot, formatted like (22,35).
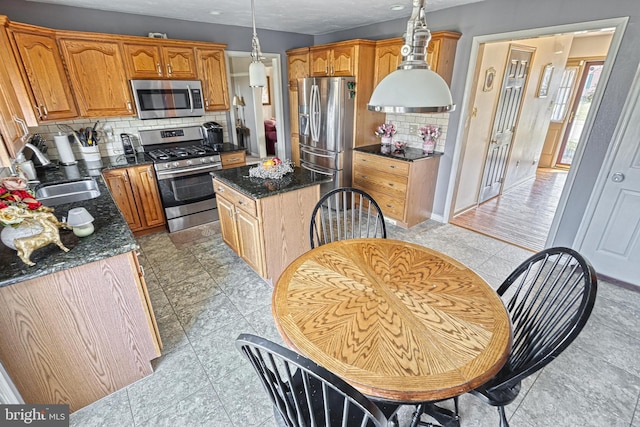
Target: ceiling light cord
(416,39)
(256,53)
(257,70)
(413,87)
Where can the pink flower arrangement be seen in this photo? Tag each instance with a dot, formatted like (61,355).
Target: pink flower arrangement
(386,130)
(430,132)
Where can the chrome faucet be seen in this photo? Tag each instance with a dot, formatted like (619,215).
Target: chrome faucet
(39,154)
(21,159)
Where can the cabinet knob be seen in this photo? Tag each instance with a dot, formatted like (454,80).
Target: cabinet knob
(170,69)
(39,111)
(220,190)
(44,109)
(129,106)
(392,166)
(391,184)
(159,69)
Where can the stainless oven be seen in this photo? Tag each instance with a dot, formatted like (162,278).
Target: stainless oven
(183,162)
(159,99)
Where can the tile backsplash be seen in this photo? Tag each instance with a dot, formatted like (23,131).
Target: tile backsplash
(404,122)
(131,125)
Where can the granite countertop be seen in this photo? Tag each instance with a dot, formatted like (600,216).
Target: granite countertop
(111,237)
(409,154)
(258,188)
(227,147)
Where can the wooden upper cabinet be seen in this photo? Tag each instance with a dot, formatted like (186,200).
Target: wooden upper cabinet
(337,59)
(13,122)
(298,66)
(441,53)
(144,61)
(98,77)
(179,62)
(388,57)
(153,60)
(42,67)
(343,58)
(213,73)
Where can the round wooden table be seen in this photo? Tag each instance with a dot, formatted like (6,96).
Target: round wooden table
(396,320)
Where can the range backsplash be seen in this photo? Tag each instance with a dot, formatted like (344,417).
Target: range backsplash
(131,125)
(404,122)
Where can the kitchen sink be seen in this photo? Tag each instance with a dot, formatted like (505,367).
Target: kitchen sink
(67,192)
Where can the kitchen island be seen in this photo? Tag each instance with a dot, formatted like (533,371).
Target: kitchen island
(266,221)
(78,325)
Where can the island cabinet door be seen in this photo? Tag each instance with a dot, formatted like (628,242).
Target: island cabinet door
(250,240)
(226,213)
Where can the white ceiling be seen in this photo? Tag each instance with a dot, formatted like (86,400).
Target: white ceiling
(298,16)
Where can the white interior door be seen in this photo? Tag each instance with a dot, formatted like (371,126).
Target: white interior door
(612,237)
(505,121)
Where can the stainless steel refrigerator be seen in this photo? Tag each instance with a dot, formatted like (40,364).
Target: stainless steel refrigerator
(326,108)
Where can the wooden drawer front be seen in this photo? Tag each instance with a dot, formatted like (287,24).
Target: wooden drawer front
(373,180)
(392,207)
(239,200)
(397,167)
(233,160)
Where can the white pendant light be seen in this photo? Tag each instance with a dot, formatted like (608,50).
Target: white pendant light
(257,70)
(413,87)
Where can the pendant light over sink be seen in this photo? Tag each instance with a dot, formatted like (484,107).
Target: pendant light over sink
(413,87)
(257,70)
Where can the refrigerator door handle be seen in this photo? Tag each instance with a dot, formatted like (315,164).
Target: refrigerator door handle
(304,149)
(315,113)
(306,166)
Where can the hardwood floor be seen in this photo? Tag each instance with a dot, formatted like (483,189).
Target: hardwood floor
(522,215)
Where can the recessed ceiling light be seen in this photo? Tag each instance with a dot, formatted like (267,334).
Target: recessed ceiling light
(214,12)
(397,7)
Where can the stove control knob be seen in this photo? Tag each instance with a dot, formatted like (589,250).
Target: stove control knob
(189,162)
(203,160)
(175,164)
(212,159)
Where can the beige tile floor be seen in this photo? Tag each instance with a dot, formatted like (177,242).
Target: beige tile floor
(204,296)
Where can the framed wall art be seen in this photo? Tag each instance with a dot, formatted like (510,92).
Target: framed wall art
(545,80)
(489,77)
(266,93)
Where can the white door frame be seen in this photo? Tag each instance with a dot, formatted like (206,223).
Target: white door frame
(276,87)
(618,23)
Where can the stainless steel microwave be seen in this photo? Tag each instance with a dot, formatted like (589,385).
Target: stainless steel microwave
(160,99)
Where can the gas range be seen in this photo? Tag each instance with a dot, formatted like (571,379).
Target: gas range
(179,148)
(183,161)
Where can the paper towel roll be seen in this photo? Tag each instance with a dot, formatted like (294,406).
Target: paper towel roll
(64,150)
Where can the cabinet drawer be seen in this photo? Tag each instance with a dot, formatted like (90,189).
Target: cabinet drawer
(380,163)
(238,199)
(233,159)
(392,207)
(374,180)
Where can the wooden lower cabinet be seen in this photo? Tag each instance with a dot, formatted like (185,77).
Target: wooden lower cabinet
(267,233)
(136,193)
(83,333)
(404,190)
(233,159)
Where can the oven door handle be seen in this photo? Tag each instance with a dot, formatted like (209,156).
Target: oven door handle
(168,174)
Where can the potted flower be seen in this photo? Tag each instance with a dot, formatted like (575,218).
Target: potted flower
(430,135)
(385,132)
